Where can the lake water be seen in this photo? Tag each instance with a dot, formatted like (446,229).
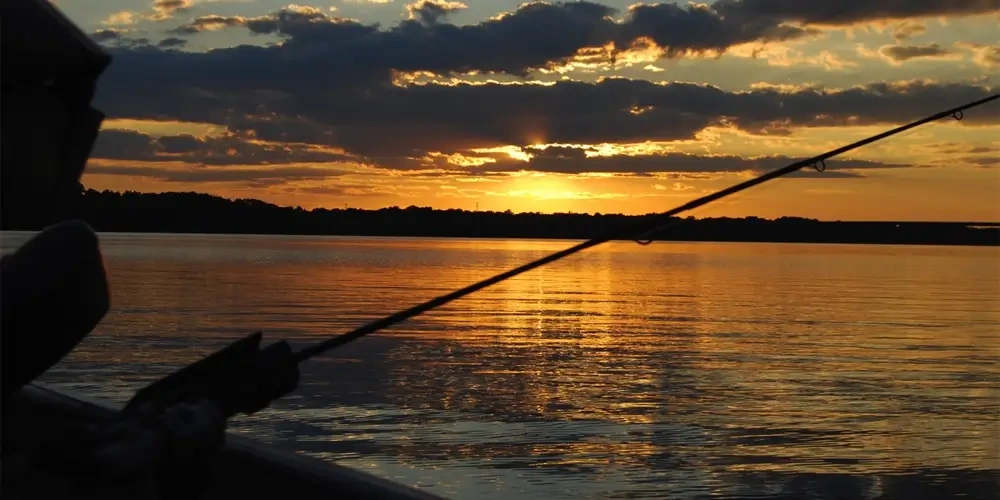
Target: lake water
(677,370)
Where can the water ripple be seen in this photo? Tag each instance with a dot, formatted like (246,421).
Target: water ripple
(676,370)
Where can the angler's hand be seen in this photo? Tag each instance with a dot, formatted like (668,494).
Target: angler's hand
(196,437)
(55,291)
(175,450)
(182,436)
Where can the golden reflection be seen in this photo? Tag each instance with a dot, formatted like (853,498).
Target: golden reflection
(762,357)
(773,356)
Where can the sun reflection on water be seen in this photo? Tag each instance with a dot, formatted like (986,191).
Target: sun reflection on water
(674,370)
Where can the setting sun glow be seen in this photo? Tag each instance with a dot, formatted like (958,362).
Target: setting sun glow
(580,106)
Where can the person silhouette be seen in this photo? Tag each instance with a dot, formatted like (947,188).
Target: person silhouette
(53,290)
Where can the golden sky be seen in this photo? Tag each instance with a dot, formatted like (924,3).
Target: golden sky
(579,106)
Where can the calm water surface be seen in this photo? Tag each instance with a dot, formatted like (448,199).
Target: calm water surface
(676,370)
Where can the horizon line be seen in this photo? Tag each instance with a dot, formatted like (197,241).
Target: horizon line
(512,212)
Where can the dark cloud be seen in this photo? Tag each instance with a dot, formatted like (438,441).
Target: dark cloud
(134,43)
(330,83)
(341,189)
(699,28)
(171,42)
(432,11)
(410,121)
(171,5)
(536,35)
(574,161)
(844,12)
(900,53)
(336,50)
(544,161)
(907,30)
(539,35)
(982,161)
(256,177)
(132,145)
(328,64)
(956,149)
(209,23)
(166,9)
(135,146)
(106,35)
(119,39)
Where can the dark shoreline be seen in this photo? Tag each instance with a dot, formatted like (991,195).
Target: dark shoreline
(195,213)
(546,238)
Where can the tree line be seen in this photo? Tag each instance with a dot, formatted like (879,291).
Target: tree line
(176,212)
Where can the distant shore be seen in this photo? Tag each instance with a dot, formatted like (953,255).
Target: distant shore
(131,212)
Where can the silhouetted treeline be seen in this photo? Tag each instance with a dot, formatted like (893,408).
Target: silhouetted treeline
(110,211)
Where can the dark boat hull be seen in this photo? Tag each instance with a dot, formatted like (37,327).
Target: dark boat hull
(249,469)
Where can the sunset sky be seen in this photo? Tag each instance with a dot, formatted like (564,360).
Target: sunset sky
(607,107)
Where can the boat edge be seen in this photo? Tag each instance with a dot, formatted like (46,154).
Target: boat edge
(243,451)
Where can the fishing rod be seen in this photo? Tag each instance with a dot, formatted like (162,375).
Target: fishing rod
(170,430)
(640,229)
(244,377)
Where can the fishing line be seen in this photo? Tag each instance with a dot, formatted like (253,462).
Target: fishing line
(742,196)
(644,229)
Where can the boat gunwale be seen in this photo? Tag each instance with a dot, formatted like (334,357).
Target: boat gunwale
(300,471)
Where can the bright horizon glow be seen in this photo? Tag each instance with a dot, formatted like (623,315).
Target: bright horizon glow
(941,171)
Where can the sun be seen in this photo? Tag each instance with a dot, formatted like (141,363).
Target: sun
(540,186)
